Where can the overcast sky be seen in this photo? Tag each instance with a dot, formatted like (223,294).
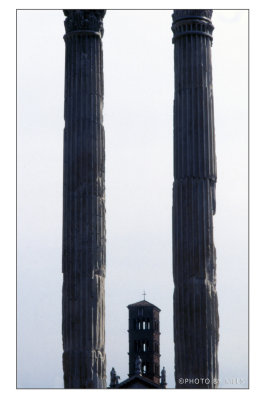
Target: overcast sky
(138,107)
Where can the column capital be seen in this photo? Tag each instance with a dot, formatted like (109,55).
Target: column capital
(192,22)
(192,13)
(84,20)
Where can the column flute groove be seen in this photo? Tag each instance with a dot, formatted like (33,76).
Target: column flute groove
(84,361)
(196,318)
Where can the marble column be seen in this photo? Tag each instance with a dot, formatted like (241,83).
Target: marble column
(84,256)
(196,321)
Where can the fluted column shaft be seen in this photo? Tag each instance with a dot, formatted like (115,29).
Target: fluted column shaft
(196,319)
(84,257)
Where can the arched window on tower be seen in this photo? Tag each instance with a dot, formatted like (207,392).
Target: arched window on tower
(145,367)
(145,345)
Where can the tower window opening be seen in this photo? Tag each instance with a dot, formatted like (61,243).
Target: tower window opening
(144,325)
(144,368)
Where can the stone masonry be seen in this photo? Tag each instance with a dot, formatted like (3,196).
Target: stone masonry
(84,254)
(196,321)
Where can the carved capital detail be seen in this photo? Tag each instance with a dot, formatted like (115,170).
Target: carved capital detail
(84,20)
(192,22)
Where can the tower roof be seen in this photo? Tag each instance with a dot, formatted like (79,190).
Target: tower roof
(138,382)
(143,303)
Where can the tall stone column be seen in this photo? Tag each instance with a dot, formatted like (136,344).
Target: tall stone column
(196,320)
(84,257)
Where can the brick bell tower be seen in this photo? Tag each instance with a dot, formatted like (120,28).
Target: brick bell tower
(144,340)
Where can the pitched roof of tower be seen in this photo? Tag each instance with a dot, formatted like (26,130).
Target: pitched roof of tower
(138,382)
(143,303)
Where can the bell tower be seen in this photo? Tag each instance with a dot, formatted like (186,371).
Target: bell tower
(144,340)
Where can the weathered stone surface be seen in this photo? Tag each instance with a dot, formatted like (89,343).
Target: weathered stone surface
(84,254)
(196,320)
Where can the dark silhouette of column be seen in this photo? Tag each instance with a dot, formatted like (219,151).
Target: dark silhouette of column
(196,321)
(84,258)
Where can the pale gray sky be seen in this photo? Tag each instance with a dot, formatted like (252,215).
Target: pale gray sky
(138,74)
